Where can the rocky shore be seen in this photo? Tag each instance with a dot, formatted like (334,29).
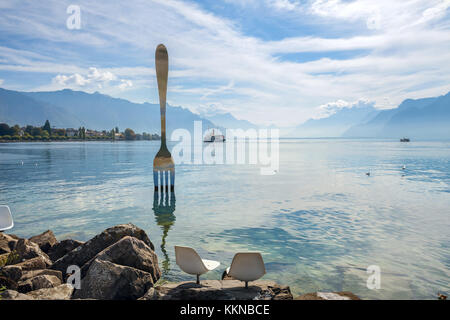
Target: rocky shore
(118,264)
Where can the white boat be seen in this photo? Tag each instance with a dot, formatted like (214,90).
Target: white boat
(212,137)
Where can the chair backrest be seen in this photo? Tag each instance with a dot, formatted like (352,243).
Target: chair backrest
(189,261)
(247,266)
(6,220)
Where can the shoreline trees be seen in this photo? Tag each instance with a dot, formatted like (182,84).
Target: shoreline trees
(47,133)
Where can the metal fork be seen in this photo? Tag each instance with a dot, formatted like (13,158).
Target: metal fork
(163,164)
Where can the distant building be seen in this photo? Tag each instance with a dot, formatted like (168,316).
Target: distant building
(93,133)
(71,132)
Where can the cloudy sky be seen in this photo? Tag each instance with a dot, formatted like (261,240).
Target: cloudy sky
(267,61)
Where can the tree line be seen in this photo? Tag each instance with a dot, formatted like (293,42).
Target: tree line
(47,133)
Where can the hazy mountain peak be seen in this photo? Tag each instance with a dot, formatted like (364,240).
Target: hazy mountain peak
(68,108)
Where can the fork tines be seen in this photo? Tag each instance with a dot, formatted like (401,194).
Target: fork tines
(161,179)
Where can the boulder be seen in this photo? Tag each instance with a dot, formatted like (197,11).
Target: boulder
(89,249)
(7,283)
(12,272)
(276,292)
(33,264)
(109,281)
(61,248)
(7,242)
(38,282)
(28,250)
(61,292)
(3,259)
(151,294)
(13,295)
(45,240)
(222,290)
(342,295)
(130,252)
(33,273)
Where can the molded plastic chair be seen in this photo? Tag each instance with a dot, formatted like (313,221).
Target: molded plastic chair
(6,220)
(190,262)
(247,266)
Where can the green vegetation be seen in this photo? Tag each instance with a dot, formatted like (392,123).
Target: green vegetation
(47,127)
(47,133)
(13,258)
(9,258)
(129,134)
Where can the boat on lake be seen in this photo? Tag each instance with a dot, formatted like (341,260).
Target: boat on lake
(404,140)
(212,137)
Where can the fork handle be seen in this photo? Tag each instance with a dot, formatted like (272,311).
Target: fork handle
(162,70)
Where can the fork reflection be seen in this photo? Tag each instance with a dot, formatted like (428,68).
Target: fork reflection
(164,207)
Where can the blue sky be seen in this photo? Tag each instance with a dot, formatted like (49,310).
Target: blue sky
(266,61)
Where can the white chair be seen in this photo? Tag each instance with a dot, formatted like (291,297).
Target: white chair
(6,220)
(190,262)
(247,266)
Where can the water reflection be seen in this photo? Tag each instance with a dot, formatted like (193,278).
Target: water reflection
(164,207)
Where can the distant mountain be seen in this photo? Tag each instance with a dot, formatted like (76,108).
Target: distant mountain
(336,124)
(228,121)
(18,108)
(421,118)
(68,108)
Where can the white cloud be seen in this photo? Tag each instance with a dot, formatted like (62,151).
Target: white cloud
(75,79)
(330,108)
(435,12)
(212,61)
(93,78)
(101,76)
(284,4)
(124,84)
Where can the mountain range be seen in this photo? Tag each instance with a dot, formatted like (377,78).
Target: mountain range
(414,118)
(334,125)
(227,120)
(421,118)
(427,118)
(72,109)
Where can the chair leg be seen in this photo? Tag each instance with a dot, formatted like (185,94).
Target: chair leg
(198,279)
(246,284)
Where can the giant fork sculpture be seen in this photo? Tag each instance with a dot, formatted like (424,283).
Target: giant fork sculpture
(163,164)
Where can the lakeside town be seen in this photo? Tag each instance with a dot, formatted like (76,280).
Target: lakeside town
(30,133)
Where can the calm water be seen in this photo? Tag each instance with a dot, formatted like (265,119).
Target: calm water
(319,222)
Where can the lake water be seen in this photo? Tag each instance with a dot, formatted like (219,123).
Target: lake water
(319,222)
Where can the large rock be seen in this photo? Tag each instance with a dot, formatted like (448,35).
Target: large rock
(33,273)
(108,281)
(63,247)
(33,264)
(28,250)
(89,250)
(151,294)
(45,240)
(7,242)
(4,258)
(12,272)
(62,292)
(14,295)
(342,295)
(38,282)
(7,283)
(221,290)
(130,252)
